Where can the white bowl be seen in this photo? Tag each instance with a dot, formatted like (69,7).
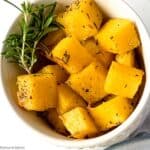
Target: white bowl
(114,9)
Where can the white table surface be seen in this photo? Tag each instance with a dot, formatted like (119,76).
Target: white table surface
(13,131)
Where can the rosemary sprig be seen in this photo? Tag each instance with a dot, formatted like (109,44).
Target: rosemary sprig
(37,21)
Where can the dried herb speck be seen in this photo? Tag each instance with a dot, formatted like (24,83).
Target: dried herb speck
(86,90)
(65,57)
(111,37)
(98,52)
(125,86)
(95,25)
(88,15)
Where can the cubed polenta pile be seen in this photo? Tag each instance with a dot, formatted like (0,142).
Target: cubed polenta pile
(71,55)
(127,58)
(79,123)
(118,36)
(68,99)
(82,19)
(55,121)
(37,91)
(58,72)
(111,113)
(93,48)
(123,80)
(93,75)
(89,83)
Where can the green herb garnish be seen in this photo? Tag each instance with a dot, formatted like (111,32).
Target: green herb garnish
(37,21)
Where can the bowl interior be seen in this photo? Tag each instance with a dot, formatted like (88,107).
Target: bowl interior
(114,9)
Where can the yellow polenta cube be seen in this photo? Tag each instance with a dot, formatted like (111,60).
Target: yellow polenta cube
(79,123)
(68,99)
(37,91)
(111,113)
(58,72)
(102,56)
(89,83)
(123,80)
(55,121)
(118,36)
(127,58)
(71,55)
(82,19)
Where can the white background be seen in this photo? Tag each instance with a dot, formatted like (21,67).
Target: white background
(13,132)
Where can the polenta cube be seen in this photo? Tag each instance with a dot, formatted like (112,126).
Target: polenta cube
(58,72)
(93,48)
(71,55)
(118,36)
(68,99)
(105,58)
(53,38)
(55,121)
(37,91)
(127,58)
(111,113)
(123,80)
(82,19)
(89,83)
(50,40)
(91,45)
(79,123)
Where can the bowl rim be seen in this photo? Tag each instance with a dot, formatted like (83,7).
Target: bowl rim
(103,139)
